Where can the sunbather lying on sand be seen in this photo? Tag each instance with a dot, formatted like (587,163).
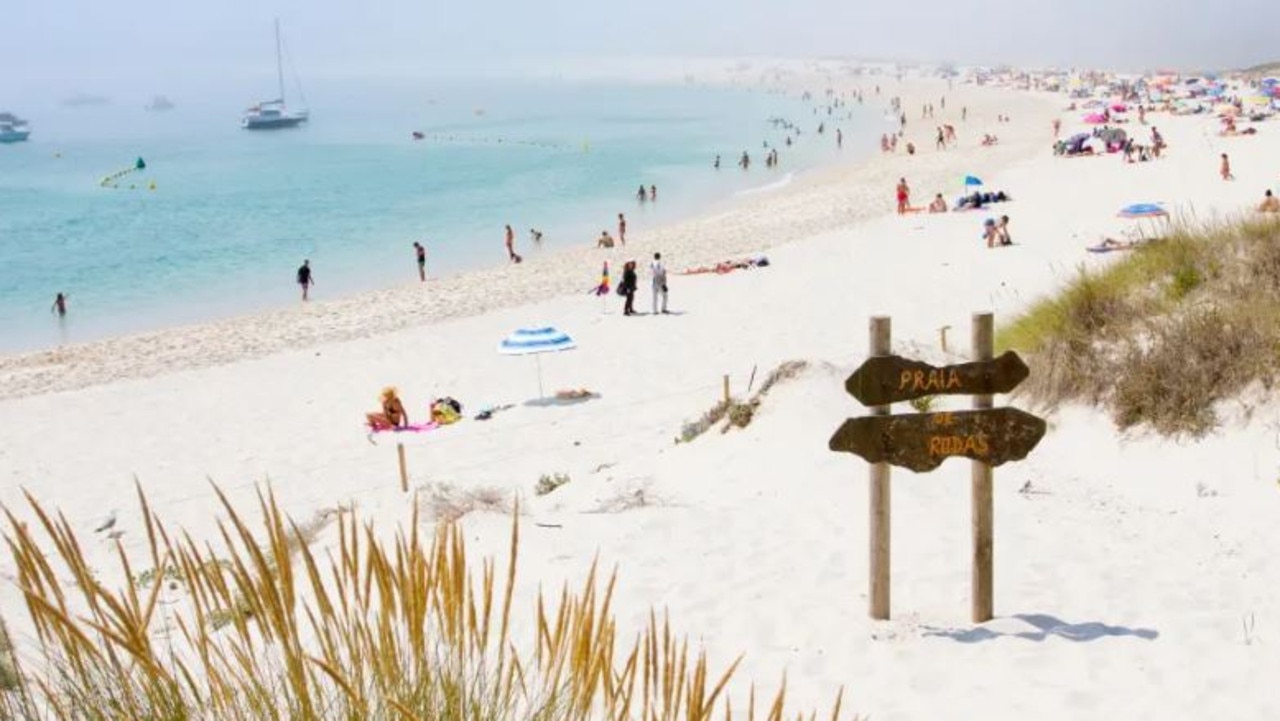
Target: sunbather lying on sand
(728,266)
(1109,244)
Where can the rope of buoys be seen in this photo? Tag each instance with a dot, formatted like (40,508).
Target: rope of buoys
(112,180)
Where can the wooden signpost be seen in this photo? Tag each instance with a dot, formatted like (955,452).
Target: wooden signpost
(988,436)
(922,441)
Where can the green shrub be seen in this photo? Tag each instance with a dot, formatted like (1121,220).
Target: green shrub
(1164,333)
(548,483)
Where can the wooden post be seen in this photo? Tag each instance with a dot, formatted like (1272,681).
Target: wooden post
(983,503)
(404,469)
(880,500)
(726,389)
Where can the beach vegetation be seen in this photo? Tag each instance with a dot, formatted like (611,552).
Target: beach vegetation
(1164,334)
(381,625)
(447,502)
(738,413)
(549,482)
(923,404)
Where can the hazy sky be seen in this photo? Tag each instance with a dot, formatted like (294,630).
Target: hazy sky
(92,44)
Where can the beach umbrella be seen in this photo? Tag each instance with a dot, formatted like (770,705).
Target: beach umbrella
(603,287)
(1119,108)
(1095,118)
(972,181)
(535,342)
(1143,210)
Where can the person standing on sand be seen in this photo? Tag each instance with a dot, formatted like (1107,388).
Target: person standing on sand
(659,273)
(839,139)
(904,196)
(990,232)
(941,143)
(421,252)
(1002,231)
(306,279)
(622,229)
(512,255)
(1226,168)
(964,112)
(628,287)
(1057,128)
(60,300)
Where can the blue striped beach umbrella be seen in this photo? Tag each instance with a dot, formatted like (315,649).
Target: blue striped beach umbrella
(535,342)
(1142,210)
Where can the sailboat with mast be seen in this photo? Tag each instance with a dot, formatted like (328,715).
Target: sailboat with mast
(274,114)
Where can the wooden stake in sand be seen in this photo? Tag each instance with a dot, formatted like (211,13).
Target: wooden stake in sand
(983,502)
(404,469)
(880,499)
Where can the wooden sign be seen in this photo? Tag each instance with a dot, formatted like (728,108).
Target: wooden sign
(922,441)
(891,379)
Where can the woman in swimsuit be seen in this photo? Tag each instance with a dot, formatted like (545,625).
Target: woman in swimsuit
(393,414)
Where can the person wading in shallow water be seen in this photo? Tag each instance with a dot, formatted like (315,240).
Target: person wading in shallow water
(305,279)
(421,252)
(60,303)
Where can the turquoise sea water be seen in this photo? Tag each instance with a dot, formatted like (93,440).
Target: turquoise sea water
(234,212)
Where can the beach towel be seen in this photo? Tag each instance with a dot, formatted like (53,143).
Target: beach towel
(411,428)
(1103,248)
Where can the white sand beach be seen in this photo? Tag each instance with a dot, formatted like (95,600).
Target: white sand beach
(1135,576)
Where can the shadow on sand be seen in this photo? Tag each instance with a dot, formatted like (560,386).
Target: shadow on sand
(557,401)
(1042,626)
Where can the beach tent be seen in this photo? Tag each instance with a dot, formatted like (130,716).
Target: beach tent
(535,342)
(1143,210)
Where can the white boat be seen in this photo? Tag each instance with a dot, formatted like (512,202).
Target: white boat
(274,114)
(13,129)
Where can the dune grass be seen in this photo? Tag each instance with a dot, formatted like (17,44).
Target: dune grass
(407,627)
(739,413)
(1165,333)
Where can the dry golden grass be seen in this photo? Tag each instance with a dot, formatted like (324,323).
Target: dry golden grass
(406,628)
(446,502)
(1163,335)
